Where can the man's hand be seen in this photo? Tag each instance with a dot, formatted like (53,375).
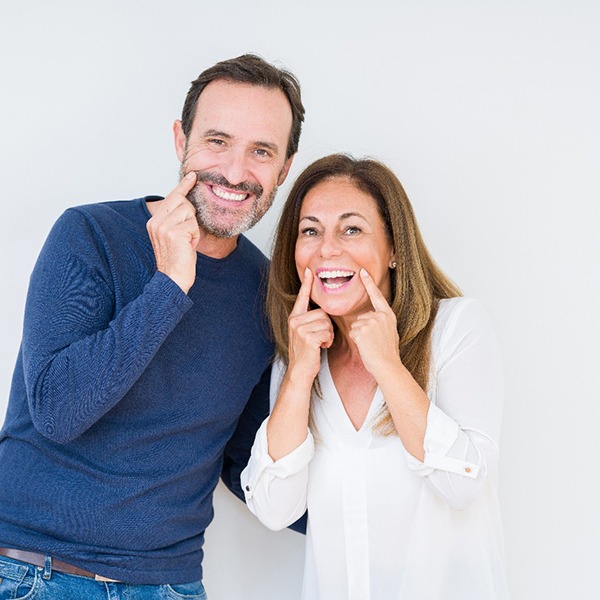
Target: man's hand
(174,234)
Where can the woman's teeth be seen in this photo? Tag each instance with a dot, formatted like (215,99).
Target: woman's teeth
(333,280)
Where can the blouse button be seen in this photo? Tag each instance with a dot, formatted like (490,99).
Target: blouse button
(247,488)
(467,469)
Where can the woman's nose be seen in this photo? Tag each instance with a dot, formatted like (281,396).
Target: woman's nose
(330,246)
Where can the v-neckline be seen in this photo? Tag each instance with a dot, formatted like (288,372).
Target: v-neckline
(331,392)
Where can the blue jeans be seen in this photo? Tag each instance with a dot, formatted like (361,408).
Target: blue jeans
(22,581)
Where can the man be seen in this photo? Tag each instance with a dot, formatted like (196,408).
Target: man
(143,344)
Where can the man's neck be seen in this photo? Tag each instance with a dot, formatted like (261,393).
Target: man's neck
(215,247)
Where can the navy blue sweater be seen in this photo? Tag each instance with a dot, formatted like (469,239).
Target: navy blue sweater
(125,395)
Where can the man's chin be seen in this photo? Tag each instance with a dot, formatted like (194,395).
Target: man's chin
(227,223)
(223,230)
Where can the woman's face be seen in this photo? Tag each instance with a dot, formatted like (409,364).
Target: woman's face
(340,232)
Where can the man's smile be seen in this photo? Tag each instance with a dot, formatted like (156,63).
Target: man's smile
(227,195)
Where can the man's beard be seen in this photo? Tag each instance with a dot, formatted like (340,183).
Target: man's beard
(220,221)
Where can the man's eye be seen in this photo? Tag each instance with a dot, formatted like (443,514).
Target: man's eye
(262,153)
(216,142)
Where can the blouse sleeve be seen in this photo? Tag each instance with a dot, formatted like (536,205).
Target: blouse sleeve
(464,418)
(275,491)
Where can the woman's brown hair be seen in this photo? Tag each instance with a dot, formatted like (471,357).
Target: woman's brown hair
(417,282)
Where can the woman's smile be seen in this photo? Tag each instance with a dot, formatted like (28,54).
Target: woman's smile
(341,232)
(335,279)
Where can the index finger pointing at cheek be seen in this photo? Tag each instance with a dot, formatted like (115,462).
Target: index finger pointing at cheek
(377,298)
(187,182)
(303,298)
(183,188)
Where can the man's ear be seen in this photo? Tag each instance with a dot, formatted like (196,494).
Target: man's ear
(180,140)
(285,170)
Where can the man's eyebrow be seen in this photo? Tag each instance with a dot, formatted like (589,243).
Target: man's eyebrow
(227,136)
(217,133)
(268,145)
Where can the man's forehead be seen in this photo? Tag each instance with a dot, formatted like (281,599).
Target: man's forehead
(228,106)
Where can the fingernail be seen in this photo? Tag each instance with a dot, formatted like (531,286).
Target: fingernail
(363,272)
(190,175)
(306,271)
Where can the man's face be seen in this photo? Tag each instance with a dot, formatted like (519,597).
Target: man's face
(237,148)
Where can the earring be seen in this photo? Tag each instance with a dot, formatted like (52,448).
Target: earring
(394,264)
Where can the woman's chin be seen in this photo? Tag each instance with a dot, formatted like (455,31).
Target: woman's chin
(342,309)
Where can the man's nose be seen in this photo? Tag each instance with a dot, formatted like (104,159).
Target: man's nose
(234,167)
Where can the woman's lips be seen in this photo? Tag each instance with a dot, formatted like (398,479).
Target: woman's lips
(336,278)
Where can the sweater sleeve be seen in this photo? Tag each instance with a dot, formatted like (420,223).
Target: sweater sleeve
(81,354)
(237,451)
(463,425)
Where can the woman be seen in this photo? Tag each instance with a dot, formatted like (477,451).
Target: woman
(388,395)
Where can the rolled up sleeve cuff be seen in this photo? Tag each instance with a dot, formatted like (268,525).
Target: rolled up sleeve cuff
(441,434)
(261,464)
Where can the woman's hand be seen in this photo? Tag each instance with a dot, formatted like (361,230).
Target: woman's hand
(376,334)
(308,332)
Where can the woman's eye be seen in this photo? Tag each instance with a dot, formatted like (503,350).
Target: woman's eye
(352,230)
(308,231)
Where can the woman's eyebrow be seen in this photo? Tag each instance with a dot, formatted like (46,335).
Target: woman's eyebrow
(351,214)
(342,217)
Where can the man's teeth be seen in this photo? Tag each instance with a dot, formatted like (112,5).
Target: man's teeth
(228,195)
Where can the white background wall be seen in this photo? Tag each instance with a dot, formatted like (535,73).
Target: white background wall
(489,114)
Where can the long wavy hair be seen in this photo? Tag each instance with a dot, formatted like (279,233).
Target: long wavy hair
(417,282)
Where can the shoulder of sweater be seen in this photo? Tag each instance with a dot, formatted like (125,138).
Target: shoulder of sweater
(80,228)
(103,216)
(108,208)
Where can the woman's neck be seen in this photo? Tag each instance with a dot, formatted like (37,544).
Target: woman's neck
(343,347)
(354,384)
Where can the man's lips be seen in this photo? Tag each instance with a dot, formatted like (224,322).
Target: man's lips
(228,195)
(333,279)
(226,191)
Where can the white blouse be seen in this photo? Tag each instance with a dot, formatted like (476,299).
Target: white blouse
(383,525)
